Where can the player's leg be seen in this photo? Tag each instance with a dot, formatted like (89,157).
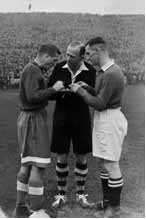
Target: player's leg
(115,184)
(82,145)
(118,130)
(62,175)
(21,209)
(81,171)
(36,188)
(60,145)
(104,177)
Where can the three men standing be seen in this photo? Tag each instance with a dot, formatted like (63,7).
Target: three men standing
(72,86)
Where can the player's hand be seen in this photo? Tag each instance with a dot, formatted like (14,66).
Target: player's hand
(58,86)
(82,84)
(74,87)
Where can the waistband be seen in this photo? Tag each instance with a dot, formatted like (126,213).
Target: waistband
(111,109)
(32,110)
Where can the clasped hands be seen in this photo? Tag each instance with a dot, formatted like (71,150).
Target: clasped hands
(59,86)
(75,86)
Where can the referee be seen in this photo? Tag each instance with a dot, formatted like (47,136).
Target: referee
(72,122)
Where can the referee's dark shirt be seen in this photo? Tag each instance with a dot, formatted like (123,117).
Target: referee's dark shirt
(70,107)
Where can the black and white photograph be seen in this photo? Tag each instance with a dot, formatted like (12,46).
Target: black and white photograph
(72,108)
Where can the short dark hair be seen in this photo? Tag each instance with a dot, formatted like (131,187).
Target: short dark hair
(49,49)
(95,41)
(82,51)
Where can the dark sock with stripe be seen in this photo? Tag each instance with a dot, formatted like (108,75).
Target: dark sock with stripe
(62,174)
(105,188)
(36,190)
(81,172)
(22,188)
(115,188)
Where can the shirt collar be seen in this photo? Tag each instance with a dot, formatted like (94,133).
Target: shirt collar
(108,65)
(42,68)
(82,68)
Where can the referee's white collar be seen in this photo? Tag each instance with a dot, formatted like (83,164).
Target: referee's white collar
(82,67)
(108,65)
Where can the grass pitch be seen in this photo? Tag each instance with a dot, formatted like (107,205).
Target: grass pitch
(132,160)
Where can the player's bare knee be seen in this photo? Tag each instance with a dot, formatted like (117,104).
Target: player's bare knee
(81,159)
(116,172)
(112,168)
(102,166)
(107,166)
(36,176)
(62,158)
(115,166)
(23,174)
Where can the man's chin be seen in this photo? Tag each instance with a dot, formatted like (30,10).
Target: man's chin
(48,66)
(72,65)
(89,62)
(92,63)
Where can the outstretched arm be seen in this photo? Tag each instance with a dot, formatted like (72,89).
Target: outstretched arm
(87,87)
(101,100)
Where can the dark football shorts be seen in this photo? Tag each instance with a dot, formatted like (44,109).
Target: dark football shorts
(33,138)
(79,134)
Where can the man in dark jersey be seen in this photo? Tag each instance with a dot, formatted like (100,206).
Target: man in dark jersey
(72,122)
(33,130)
(110,124)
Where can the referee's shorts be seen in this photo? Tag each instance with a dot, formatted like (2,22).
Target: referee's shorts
(79,133)
(109,130)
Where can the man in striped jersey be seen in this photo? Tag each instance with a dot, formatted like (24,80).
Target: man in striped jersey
(33,130)
(110,124)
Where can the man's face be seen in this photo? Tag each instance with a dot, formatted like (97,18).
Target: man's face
(92,55)
(72,56)
(49,61)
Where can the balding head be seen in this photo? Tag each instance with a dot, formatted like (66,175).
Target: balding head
(75,55)
(78,47)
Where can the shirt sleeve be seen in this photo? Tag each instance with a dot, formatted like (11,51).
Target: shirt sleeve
(90,89)
(105,94)
(35,88)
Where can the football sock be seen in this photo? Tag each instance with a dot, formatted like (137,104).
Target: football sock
(62,174)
